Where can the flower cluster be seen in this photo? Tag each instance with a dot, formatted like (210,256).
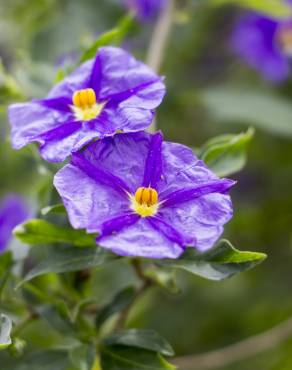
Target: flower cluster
(265,44)
(141,195)
(13,211)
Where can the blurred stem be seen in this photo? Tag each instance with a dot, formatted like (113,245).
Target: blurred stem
(249,347)
(159,41)
(146,284)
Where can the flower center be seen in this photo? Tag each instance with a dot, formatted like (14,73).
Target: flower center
(145,202)
(85,106)
(284,36)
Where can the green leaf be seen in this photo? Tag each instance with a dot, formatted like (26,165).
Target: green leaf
(56,319)
(275,8)
(55,209)
(145,339)
(6,263)
(82,357)
(5,331)
(42,232)
(45,360)
(64,259)
(119,302)
(226,154)
(123,358)
(114,36)
(219,263)
(263,110)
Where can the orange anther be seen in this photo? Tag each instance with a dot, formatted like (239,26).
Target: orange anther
(147,196)
(84,98)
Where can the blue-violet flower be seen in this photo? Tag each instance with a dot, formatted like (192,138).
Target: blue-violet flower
(265,44)
(112,93)
(144,197)
(146,9)
(13,211)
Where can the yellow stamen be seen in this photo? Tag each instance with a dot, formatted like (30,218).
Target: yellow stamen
(145,202)
(85,106)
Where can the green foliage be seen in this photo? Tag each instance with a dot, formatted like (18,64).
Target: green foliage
(164,278)
(64,259)
(226,154)
(120,301)
(123,358)
(82,357)
(5,331)
(45,360)
(6,264)
(55,209)
(63,316)
(145,339)
(263,110)
(36,232)
(219,263)
(114,36)
(275,8)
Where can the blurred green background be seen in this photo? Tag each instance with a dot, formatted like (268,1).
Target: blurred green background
(201,75)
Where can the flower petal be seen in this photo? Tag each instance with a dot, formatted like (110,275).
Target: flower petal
(28,120)
(122,73)
(77,80)
(89,203)
(141,240)
(169,231)
(13,211)
(153,165)
(254,40)
(61,104)
(99,174)
(116,224)
(124,155)
(181,169)
(201,220)
(58,143)
(190,194)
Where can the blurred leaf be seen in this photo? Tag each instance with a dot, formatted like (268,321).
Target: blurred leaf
(42,232)
(165,278)
(55,209)
(82,357)
(6,263)
(226,154)
(9,90)
(123,358)
(219,263)
(64,259)
(119,302)
(5,330)
(114,36)
(145,339)
(45,360)
(57,319)
(235,105)
(276,8)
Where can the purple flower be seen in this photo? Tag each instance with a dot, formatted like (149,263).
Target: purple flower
(146,9)
(144,197)
(13,211)
(265,44)
(112,93)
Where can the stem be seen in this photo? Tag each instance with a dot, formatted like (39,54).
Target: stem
(159,41)
(147,283)
(239,351)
